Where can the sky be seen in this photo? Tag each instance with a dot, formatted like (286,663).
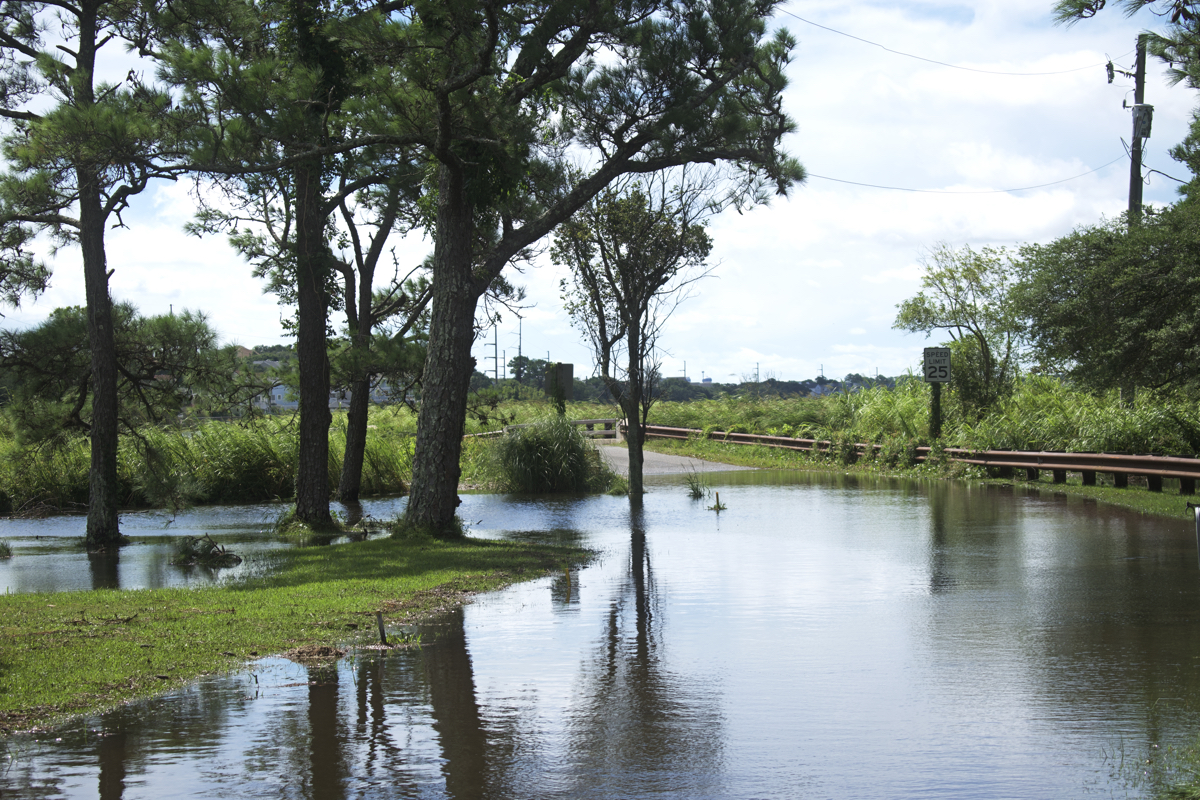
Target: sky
(808,285)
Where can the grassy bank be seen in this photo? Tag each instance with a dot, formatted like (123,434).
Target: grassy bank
(1168,503)
(74,653)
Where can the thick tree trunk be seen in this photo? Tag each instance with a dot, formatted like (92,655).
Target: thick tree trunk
(350,484)
(448,365)
(102,521)
(312,268)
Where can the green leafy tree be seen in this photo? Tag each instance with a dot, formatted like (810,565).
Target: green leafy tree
(500,95)
(528,371)
(166,365)
(967,294)
(78,150)
(491,98)
(278,86)
(1114,306)
(633,252)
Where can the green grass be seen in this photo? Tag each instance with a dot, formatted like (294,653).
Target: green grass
(73,653)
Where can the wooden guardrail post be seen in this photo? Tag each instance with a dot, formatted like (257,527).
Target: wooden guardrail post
(1089,477)
(1187,485)
(1154,483)
(1121,480)
(1060,476)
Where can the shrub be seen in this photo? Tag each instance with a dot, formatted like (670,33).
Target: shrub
(550,455)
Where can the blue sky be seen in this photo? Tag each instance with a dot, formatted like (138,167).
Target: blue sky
(810,283)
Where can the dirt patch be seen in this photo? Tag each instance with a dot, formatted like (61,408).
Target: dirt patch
(314,652)
(427,603)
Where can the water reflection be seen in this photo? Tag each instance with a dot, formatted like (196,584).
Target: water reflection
(103,567)
(855,637)
(635,716)
(327,739)
(49,554)
(110,752)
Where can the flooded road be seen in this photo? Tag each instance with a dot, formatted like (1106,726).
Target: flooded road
(826,636)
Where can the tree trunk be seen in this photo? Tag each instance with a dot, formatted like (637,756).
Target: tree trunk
(631,403)
(434,501)
(634,436)
(350,484)
(312,268)
(102,521)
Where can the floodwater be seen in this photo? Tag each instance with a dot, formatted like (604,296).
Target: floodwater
(48,556)
(823,637)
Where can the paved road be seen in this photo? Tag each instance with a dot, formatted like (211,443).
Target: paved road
(660,463)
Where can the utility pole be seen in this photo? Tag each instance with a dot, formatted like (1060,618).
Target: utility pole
(1135,160)
(1143,115)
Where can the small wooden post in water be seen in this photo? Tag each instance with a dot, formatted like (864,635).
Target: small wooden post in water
(379,621)
(1196,510)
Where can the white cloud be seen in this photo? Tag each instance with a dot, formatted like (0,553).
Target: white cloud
(796,279)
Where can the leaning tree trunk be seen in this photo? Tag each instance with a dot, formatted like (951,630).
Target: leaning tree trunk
(312,267)
(102,521)
(433,500)
(350,484)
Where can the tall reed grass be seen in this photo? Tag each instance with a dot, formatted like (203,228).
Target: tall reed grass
(210,462)
(1042,413)
(547,456)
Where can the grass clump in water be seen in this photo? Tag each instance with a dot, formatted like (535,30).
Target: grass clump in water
(5,549)
(548,456)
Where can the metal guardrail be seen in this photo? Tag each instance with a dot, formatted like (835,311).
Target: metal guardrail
(1153,467)
(609,431)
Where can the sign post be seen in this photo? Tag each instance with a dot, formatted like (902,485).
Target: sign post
(937,372)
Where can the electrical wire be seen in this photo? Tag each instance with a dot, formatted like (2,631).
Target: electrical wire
(930,60)
(1146,179)
(982,191)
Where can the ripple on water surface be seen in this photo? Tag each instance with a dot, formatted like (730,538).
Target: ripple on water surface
(826,636)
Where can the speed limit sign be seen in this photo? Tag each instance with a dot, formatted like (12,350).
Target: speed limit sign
(937,364)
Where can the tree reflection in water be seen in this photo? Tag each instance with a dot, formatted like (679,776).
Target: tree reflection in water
(103,568)
(639,721)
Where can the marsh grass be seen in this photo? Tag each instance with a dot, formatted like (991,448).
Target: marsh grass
(205,462)
(81,652)
(549,455)
(1040,414)
(6,550)
(697,484)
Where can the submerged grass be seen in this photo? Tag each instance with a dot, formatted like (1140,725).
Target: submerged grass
(72,653)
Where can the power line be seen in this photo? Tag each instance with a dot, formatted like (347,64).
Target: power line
(930,60)
(982,191)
